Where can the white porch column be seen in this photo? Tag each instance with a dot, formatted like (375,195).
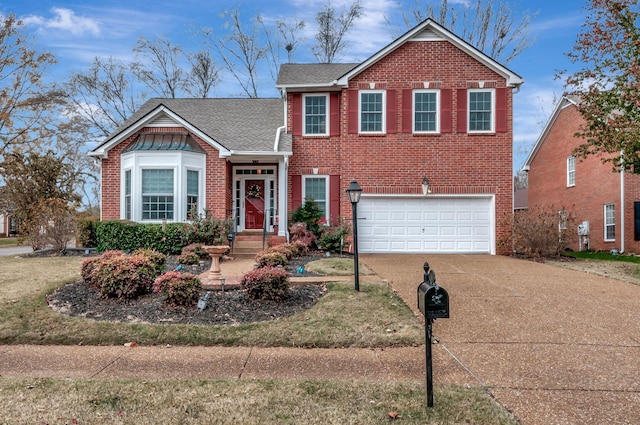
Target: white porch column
(283,190)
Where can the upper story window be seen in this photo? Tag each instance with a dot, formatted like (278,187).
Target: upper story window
(426,111)
(571,171)
(316,113)
(481,111)
(609,222)
(372,111)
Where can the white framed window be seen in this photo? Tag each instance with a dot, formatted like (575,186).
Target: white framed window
(372,106)
(193,190)
(609,222)
(127,195)
(157,194)
(481,110)
(426,113)
(571,171)
(316,114)
(317,188)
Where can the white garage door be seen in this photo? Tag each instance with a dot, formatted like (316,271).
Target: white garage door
(426,225)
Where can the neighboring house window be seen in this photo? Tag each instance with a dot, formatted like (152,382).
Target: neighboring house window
(425,111)
(317,188)
(157,194)
(316,113)
(609,222)
(372,107)
(481,111)
(127,194)
(571,171)
(192,193)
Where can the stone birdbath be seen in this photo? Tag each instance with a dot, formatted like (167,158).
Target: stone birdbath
(215,251)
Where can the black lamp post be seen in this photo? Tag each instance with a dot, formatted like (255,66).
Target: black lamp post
(354,191)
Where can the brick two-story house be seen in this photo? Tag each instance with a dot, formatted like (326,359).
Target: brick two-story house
(428,105)
(605,203)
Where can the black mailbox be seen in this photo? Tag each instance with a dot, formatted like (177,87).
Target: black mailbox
(433,300)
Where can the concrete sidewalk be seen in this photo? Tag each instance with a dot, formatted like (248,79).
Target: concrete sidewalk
(360,364)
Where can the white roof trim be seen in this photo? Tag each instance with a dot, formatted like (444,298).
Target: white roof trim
(563,103)
(429,30)
(161,110)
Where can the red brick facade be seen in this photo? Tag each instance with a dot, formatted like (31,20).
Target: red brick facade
(394,163)
(595,184)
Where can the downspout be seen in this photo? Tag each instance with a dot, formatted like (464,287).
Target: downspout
(276,143)
(622,211)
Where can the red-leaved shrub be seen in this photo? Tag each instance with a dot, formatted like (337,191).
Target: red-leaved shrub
(88,266)
(179,289)
(124,277)
(266,283)
(271,258)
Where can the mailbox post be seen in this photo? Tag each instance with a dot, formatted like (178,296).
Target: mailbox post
(433,302)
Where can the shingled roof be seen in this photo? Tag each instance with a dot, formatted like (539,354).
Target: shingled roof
(311,74)
(236,124)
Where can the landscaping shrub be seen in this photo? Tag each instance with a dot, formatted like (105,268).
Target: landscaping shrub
(157,258)
(310,214)
(179,289)
(298,248)
(332,238)
(208,230)
(266,283)
(89,265)
(167,238)
(271,258)
(125,277)
(299,234)
(86,232)
(537,232)
(192,254)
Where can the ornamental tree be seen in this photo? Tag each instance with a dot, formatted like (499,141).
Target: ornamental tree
(608,84)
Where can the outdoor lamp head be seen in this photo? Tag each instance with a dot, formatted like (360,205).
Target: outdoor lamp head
(354,191)
(425,186)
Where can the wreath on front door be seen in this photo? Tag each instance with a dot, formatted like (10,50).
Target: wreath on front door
(254,191)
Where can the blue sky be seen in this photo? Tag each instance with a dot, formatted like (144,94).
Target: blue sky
(77,31)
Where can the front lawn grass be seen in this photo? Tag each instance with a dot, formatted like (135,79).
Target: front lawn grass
(373,317)
(244,402)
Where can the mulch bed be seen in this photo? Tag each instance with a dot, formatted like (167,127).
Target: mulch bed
(222,308)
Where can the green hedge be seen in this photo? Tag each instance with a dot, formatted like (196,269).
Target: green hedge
(128,236)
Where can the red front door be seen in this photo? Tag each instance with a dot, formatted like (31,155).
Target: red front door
(253,204)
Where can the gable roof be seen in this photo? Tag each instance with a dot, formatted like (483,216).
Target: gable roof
(230,125)
(563,103)
(298,76)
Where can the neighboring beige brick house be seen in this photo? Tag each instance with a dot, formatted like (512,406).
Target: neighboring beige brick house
(428,105)
(607,201)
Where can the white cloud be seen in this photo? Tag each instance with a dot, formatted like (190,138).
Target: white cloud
(65,20)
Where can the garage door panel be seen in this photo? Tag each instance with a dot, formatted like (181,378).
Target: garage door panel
(426,225)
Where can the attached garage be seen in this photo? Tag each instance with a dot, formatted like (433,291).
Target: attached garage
(433,224)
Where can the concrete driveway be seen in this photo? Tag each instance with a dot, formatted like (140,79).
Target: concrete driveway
(553,346)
